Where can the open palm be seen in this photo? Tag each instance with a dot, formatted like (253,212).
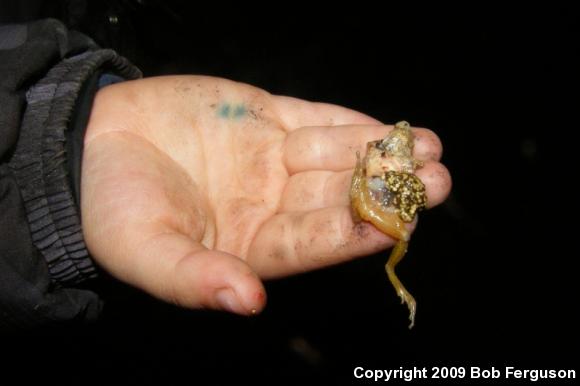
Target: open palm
(194,188)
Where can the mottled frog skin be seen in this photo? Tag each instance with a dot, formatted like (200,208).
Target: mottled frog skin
(386,192)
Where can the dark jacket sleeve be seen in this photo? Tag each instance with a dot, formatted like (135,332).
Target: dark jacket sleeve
(47,74)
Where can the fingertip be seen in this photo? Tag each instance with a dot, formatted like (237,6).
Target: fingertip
(218,280)
(238,302)
(260,300)
(251,293)
(428,146)
(437,182)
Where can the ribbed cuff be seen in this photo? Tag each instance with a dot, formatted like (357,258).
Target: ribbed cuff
(39,163)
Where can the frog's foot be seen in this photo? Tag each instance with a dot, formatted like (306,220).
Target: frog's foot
(406,297)
(396,255)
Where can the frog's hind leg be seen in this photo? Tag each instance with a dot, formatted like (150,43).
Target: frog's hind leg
(356,203)
(396,256)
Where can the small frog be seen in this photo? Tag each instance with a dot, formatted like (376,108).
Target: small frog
(386,192)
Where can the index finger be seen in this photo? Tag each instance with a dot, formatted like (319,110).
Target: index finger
(334,148)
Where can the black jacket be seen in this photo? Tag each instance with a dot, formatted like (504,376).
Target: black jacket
(48,77)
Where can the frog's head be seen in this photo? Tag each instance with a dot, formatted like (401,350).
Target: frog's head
(399,142)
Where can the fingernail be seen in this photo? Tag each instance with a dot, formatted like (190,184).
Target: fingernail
(228,300)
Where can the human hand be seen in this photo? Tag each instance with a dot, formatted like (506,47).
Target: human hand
(193,188)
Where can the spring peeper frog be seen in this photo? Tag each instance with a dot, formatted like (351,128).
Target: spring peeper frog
(386,192)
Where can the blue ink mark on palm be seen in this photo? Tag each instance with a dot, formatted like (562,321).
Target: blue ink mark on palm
(224,111)
(228,111)
(239,111)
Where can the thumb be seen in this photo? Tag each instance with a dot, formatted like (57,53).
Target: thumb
(214,279)
(175,268)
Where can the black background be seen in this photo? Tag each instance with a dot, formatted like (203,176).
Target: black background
(493,268)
